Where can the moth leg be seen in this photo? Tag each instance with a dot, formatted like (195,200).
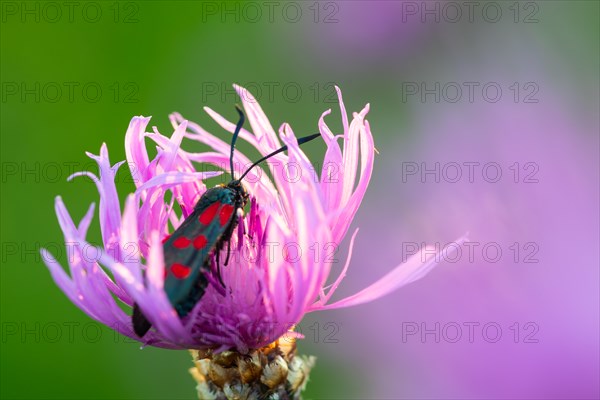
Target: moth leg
(219,276)
(217,252)
(228,253)
(227,237)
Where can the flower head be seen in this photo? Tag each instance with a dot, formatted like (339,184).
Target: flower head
(272,279)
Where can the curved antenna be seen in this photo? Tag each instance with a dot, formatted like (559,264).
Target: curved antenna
(302,140)
(236,133)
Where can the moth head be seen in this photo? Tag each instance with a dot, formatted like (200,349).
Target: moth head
(240,190)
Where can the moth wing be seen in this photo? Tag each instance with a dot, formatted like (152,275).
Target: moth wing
(187,250)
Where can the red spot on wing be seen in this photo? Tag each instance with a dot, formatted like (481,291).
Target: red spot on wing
(180,271)
(200,242)
(209,214)
(181,242)
(165,239)
(225,214)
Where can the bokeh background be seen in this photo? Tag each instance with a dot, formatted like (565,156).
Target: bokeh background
(485,115)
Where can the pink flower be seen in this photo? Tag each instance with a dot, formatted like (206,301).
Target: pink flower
(280,265)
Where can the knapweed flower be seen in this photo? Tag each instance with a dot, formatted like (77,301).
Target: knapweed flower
(282,247)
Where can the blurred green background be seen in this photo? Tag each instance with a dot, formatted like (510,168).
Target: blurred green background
(72,78)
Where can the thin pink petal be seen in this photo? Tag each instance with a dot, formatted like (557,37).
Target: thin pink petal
(258,120)
(351,153)
(110,207)
(135,149)
(130,247)
(342,109)
(169,179)
(337,282)
(413,269)
(367,153)
(230,127)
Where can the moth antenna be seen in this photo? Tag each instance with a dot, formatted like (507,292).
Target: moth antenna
(301,141)
(236,133)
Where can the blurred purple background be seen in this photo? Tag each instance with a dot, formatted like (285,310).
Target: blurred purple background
(515,163)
